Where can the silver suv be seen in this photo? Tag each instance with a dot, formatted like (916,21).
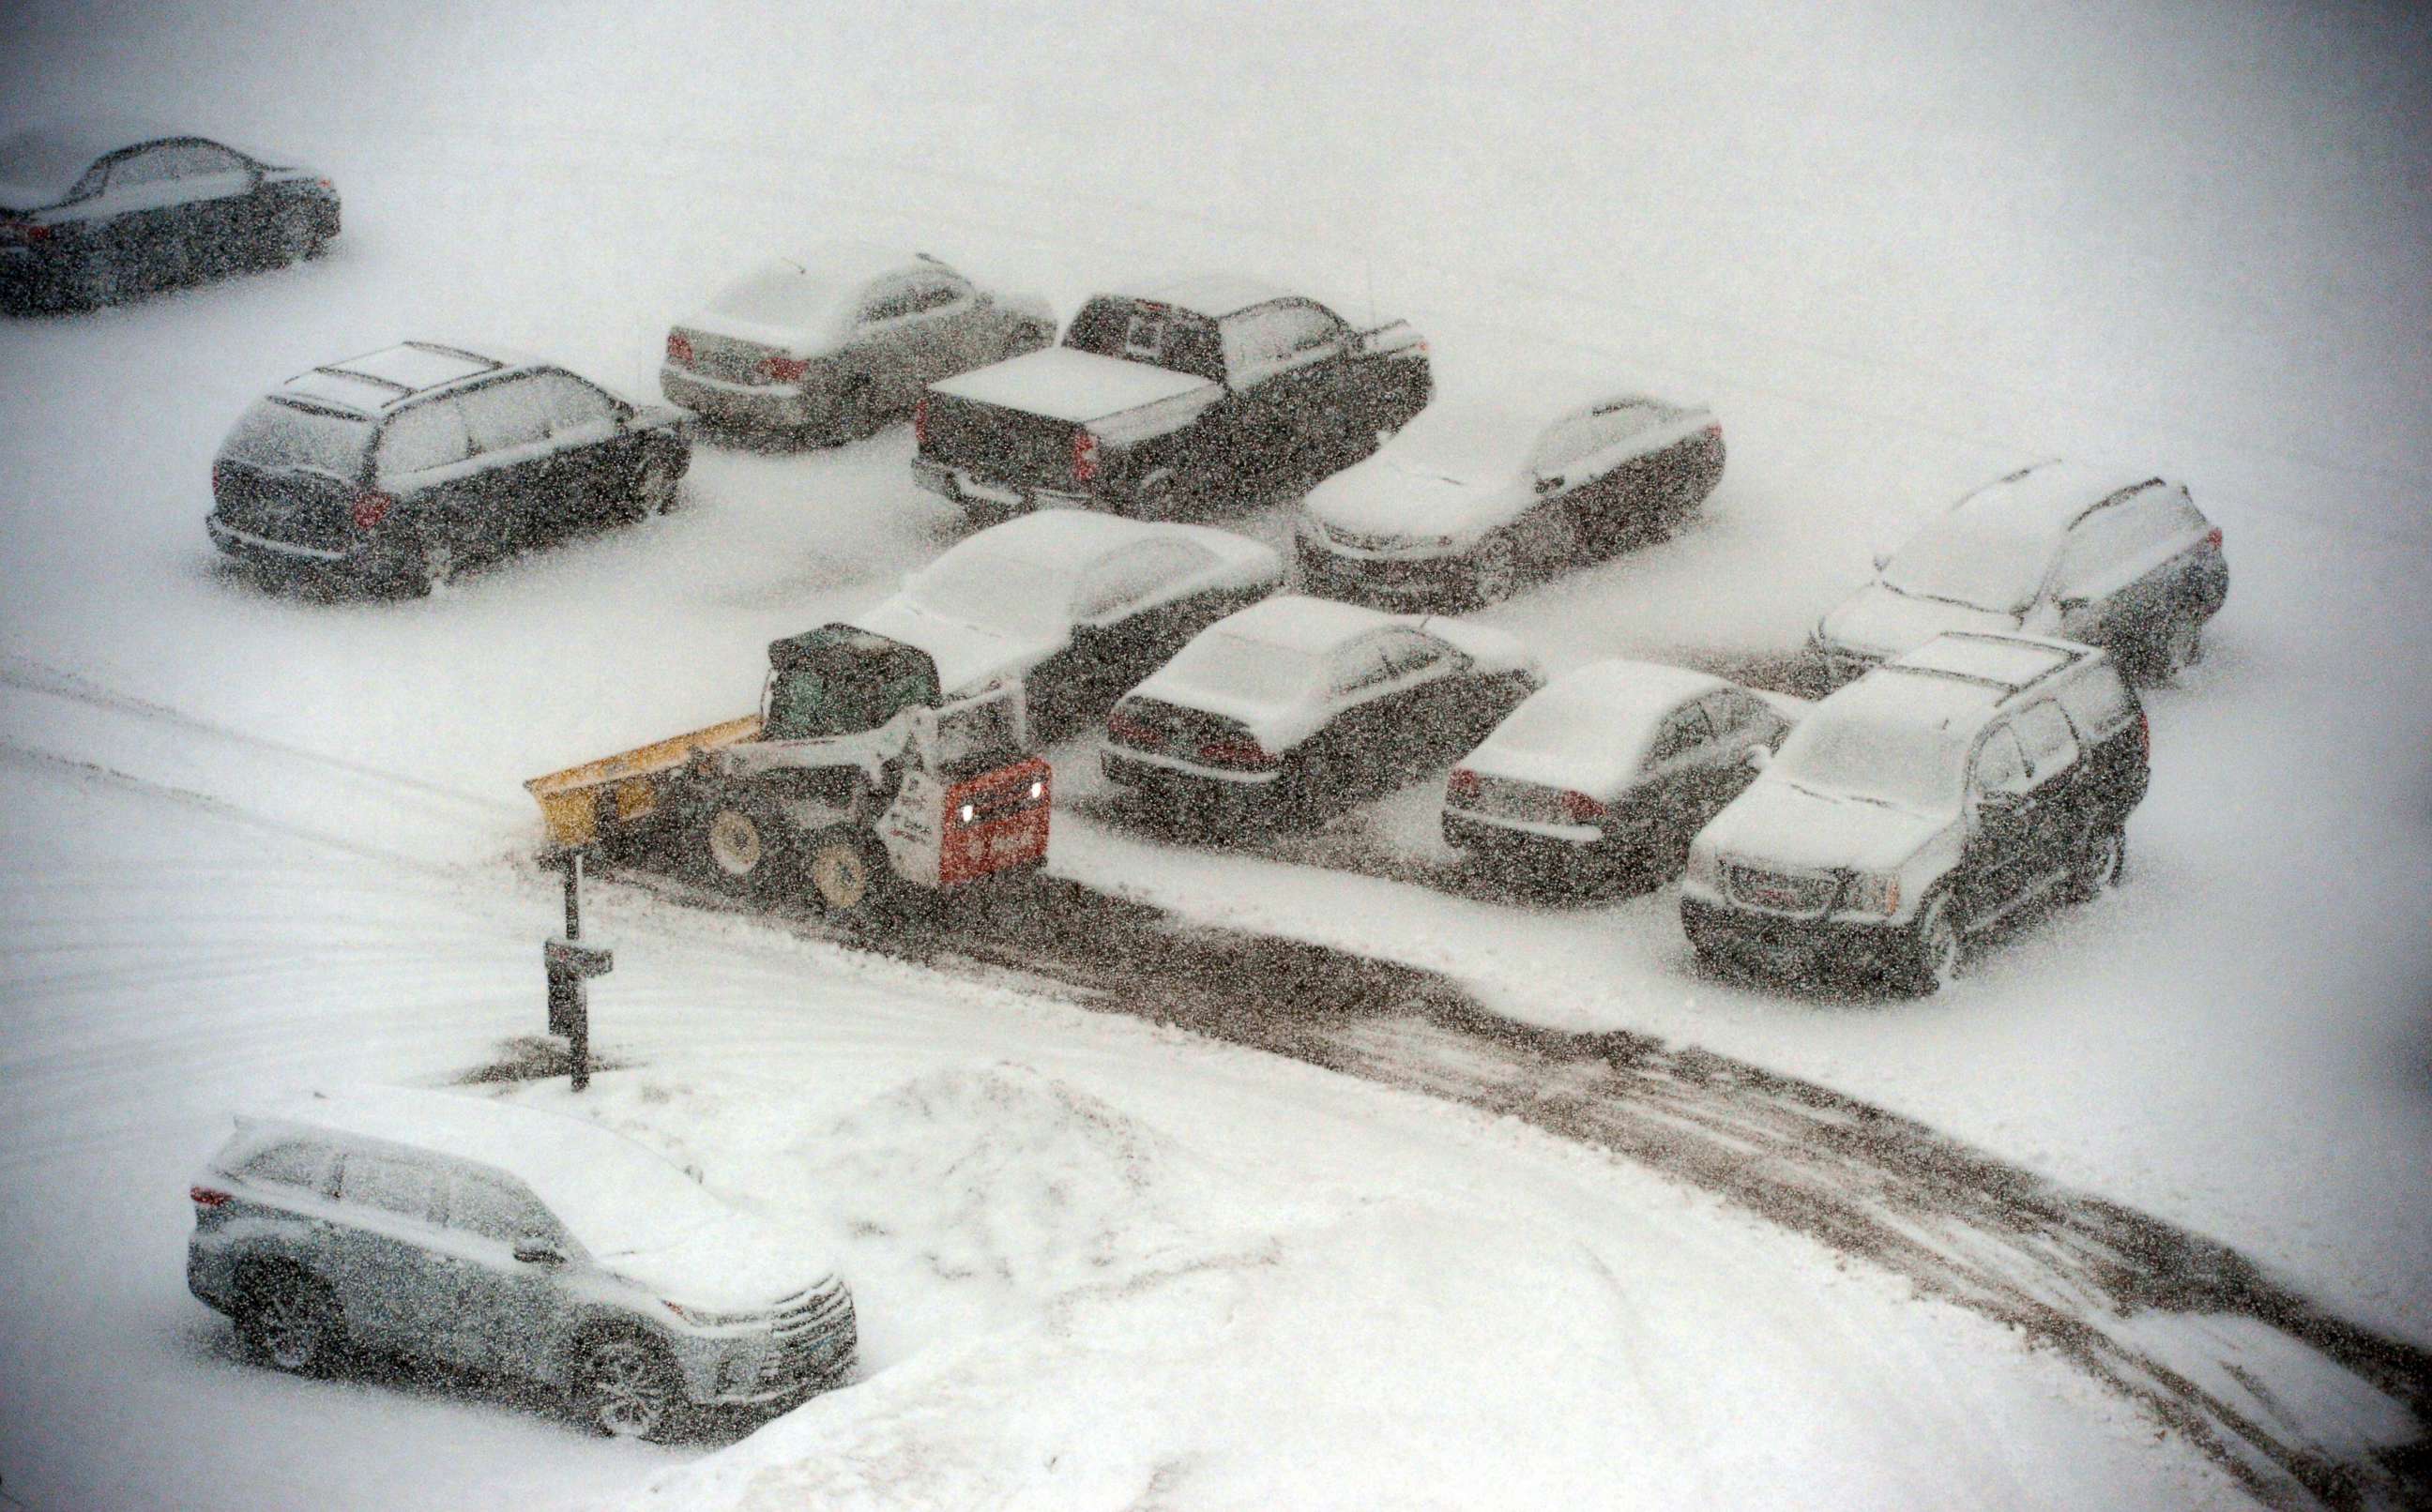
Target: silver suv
(511,1241)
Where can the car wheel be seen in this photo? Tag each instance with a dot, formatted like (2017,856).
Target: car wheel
(297,239)
(1156,497)
(289,1321)
(2102,855)
(740,846)
(856,410)
(98,280)
(2180,647)
(430,568)
(654,488)
(1934,948)
(1493,572)
(847,872)
(625,1388)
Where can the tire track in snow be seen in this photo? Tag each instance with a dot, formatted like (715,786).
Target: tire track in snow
(2072,1272)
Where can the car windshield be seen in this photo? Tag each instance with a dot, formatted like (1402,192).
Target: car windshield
(275,433)
(1252,670)
(1917,766)
(781,296)
(995,591)
(1968,558)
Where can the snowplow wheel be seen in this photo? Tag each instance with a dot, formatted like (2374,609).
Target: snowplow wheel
(848,874)
(740,846)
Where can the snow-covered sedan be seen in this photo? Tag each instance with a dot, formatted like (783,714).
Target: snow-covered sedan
(94,212)
(2123,561)
(510,1240)
(1476,496)
(1078,605)
(840,339)
(1296,705)
(1608,771)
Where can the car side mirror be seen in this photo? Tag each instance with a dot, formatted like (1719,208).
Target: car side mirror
(1548,483)
(2071,606)
(539,1253)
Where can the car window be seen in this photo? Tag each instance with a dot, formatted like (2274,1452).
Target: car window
(289,1162)
(1730,711)
(572,406)
(1273,337)
(153,165)
(502,416)
(1683,731)
(1579,437)
(931,291)
(196,160)
(1360,665)
(889,301)
(430,435)
(497,1210)
(2118,543)
(407,1188)
(1136,573)
(275,433)
(2000,765)
(1409,654)
(2049,744)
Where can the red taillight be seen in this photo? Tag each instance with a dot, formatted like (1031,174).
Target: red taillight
(1084,456)
(1131,732)
(1463,785)
(2212,538)
(1582,808)
(1714,432)
(325,184)
(219,477)
(921,422)
(370,509)
(209,1196)
(26,231)
(679,349)
(1234,753)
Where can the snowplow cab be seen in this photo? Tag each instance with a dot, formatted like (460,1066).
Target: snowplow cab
(840,680)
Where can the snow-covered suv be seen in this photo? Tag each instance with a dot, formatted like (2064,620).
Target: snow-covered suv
(509,1240)
(1922,803)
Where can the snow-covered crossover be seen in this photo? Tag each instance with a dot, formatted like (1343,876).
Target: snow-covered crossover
(840,339)
(2126,563)
(1607,771)
(1473,496)
(1925,801)
(393,467)
(1214,389)
(1077,605)
(1296,704)
(511,1240)
(92,212)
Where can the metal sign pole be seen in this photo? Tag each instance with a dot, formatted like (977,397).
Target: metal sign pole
(568,963)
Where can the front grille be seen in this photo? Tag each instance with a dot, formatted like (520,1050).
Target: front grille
(1003,447)
(298,508)
(1364,540)
(1780,892)
(816,1334)
(726,358)
(1525,801)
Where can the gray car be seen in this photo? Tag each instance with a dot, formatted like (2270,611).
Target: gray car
(840,339)
(511,1241)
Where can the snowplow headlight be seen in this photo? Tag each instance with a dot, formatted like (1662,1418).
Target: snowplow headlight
(1037,790)
(966,812)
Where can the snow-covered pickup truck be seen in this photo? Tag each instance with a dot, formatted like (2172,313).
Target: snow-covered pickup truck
(855,777)
(1217,390)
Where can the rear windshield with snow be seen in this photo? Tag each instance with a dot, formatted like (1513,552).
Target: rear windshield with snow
(1564,721)
(1139,330)
(997,592)
(782,298)
(1967,557)
(1910,766)
(275,433)
(1232,667)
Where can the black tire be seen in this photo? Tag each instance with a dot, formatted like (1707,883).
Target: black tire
(1157,498)
(1493,572)
(97,280)
(428,568)
(740,846)
(290,1320)
(297,239)
(1933,948)
(848,871)
(654,491)
(2102,855)
(2178,648)
(856,410)
(625,1387)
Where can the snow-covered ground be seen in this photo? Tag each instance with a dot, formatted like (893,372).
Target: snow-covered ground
(254,840)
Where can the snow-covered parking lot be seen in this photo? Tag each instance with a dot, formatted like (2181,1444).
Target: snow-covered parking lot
(251,840)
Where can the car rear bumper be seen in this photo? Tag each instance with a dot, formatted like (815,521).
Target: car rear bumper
(1780,945)
(749,406)
(1542,850)
(1189,790)
(988,500)
(261,550)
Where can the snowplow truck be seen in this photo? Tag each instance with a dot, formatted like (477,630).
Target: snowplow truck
(855,776)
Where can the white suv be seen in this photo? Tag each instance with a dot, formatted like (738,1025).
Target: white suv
(512,1241)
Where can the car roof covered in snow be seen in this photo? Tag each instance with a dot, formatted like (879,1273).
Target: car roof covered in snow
(1486,429)
(382,379)
(1630,692)
(2047,498)
(1213,295)
(44,161)
(2009,663)
(1296,622)
(1589,727)
(1907,696)
(535,1142)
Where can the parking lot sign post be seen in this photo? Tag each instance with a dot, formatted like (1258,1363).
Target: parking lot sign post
(568,964)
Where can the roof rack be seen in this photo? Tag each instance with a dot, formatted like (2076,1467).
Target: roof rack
(374,379)
(488,363)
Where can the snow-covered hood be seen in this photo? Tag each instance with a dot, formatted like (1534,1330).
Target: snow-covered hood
(1065,383)
(968,656)
(1388,497)
(734,1264)
(1879,621)
(1778,823)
